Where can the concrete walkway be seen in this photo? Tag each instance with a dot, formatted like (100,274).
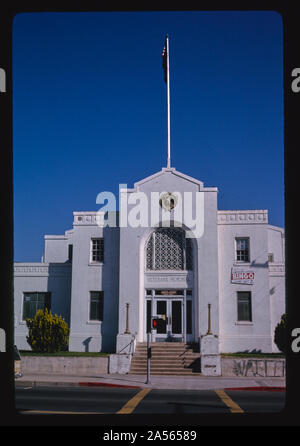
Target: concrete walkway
(197,382)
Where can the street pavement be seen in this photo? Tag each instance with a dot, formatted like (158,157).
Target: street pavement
(197,382)
(60,400)
(132,394)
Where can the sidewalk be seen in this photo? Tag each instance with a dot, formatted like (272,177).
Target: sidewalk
(197,382)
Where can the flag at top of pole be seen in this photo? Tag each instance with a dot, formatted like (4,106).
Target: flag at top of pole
(165,64)
(164,60)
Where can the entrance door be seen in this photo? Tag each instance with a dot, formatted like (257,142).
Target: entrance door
(170,321)
(174,311)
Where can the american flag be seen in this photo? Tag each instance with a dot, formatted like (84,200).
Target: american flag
(164,60)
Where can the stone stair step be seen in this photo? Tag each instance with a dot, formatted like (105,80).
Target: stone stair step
(163,372)
(163,369)
(167,355)
(166,359)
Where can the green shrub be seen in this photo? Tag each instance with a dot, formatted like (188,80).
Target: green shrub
(280,334)
(47,333)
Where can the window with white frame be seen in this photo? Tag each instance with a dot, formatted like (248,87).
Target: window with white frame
(96,306)
(34,301)
(242,252)
(97,250)
(244,311)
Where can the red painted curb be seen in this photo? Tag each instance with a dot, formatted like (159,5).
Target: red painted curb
(95,384)
(262,389)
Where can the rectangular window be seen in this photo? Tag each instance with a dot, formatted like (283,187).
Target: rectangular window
(97,250)
(70,253)
(34,301)
(242,249)
(96,305)
(188,317)
(244,306)
(176,316)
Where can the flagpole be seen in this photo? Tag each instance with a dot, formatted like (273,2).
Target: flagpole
(168,105)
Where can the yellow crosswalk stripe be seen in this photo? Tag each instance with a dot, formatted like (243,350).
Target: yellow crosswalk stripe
(133,402)
(235,408)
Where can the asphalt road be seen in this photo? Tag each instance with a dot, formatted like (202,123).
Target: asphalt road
(62,400)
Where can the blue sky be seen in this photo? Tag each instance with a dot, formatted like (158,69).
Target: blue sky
(89,110)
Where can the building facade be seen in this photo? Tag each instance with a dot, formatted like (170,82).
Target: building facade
(109,280)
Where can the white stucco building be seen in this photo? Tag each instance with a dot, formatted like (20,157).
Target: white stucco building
(90,273)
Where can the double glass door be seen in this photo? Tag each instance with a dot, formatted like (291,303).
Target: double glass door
(174,317)
(169,312)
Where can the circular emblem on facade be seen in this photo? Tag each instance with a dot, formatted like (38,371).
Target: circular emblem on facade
(168,201)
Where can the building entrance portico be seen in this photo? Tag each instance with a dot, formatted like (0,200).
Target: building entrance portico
(168,281)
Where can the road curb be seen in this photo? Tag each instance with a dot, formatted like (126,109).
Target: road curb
(96,384)
(45,383)
(72,384)
(119,382)
(258,389)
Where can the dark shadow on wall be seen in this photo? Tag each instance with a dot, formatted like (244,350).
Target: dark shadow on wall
(110,288)
(254,351)
(59,285)
(259,265)
(86,344)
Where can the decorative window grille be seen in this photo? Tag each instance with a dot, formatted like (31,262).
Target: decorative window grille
(169,249)
(149,253)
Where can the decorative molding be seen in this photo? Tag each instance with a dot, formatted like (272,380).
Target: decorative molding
(92,218)
(55,237)
(165,279)
(242,217)
(171,170)
(63,270)
(276,269)
(31,269)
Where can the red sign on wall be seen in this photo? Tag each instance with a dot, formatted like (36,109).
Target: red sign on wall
(242,276)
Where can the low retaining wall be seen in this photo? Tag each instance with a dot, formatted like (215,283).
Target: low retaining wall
(260,367)
(83,366)
(91,366)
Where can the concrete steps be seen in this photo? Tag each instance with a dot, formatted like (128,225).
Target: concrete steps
(167,358)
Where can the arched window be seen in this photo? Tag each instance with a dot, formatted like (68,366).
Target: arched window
(169,249)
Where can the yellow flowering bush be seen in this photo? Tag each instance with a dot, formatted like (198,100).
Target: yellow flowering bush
(47,333)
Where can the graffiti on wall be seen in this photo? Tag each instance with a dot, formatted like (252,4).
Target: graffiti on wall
(259,367)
